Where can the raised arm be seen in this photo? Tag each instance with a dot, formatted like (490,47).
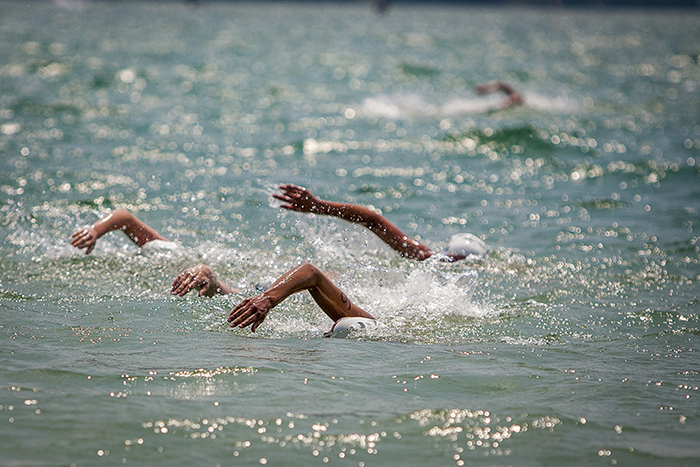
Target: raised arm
(202,278)
(253,311)
(300,199)
(513,97)
(119,219)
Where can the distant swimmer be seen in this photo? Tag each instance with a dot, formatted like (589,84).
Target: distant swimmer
(380,6)
(460,246)
(513,97)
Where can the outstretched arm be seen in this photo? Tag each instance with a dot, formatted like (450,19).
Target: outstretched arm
(202,278)
(513,97)
(253,311)
(300,199)
(119,219)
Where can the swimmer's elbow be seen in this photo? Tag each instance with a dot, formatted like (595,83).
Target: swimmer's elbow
(309,268)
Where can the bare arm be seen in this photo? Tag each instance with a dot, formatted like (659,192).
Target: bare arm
(253,311)
(300,199)
(119,219)
(202,278)
(513,97)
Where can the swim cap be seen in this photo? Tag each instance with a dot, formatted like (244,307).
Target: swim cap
(464,245)
(162,247)
(348,325)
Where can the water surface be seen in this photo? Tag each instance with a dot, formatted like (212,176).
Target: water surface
(573,342)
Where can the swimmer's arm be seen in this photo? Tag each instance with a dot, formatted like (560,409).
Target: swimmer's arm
(506,88)
(513,97)
(380,226)
(300,199)
(493,86)
(119,219)
(202,278)
(253,311)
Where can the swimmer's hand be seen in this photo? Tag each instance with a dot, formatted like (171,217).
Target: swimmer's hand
(85,238)
(513,97)
(251,312)
(299,199)
(513,100)
(202,278)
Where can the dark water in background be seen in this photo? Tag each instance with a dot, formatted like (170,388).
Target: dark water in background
(574,342)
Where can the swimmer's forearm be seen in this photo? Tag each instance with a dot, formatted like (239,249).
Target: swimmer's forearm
(300,278)
(327,295)
(349,212)
(217,287)
(121,219)
(361,215)
(253,311)
(297,198)
(224,289)
(116,220)
(505,87)
(380,226)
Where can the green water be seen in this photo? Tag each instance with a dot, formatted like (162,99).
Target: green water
(573,343)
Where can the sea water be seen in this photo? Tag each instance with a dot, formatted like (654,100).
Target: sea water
(575,342)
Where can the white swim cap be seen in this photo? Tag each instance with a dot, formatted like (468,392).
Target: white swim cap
(349,325)
(464,245)
(162,247)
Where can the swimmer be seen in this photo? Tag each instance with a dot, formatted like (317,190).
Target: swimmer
(513,97)
(200,277)
(300,199)
(119,219)
(380,6)
(253,311)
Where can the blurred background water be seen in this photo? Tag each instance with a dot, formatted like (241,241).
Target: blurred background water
(573,342)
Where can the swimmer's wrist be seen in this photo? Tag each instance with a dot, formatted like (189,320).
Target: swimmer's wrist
(217,287)
(269,296)
(220,287)
(321,207)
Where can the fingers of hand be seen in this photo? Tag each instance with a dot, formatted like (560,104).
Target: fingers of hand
(245,314)
(80,238)
(234,314)
(177,287)
(258,321)
(292,189)
(292,193)
(183,283)
(239,319)
(291,186)
(255,319)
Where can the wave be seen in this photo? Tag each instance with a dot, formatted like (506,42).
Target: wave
(408,106)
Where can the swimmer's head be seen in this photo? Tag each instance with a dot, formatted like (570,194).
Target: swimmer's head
(466,245)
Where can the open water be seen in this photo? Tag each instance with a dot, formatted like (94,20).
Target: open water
(574,343)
